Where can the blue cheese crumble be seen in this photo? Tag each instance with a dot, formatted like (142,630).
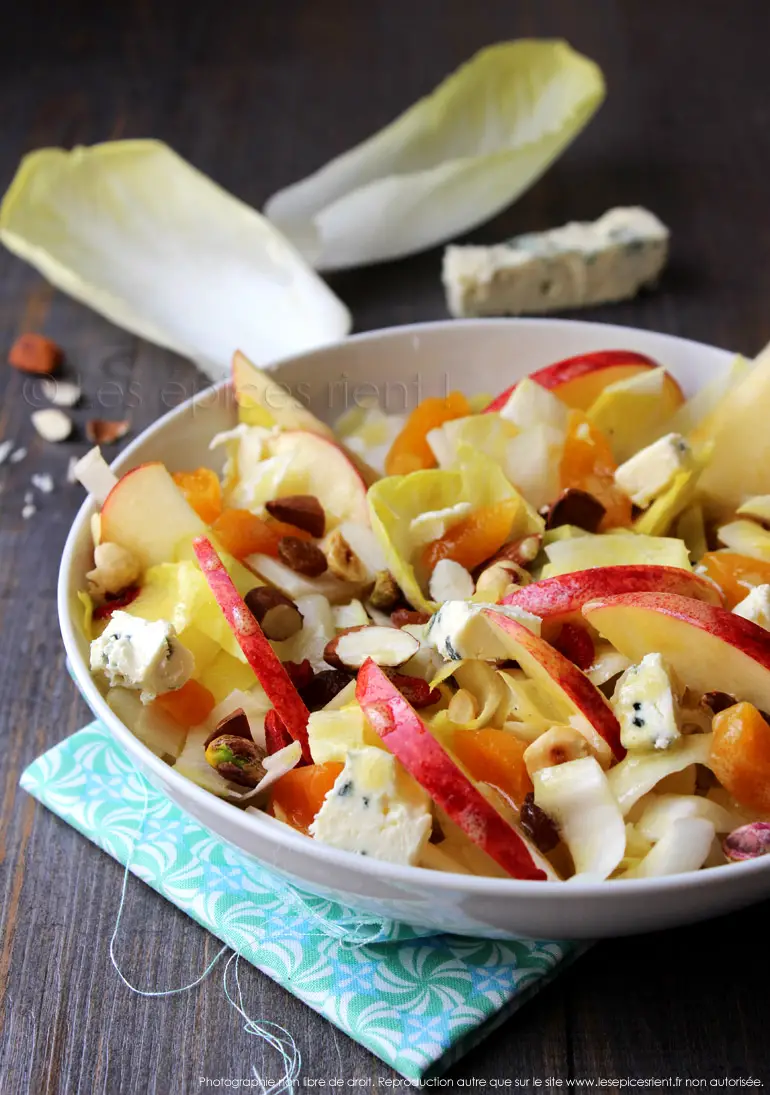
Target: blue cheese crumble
(647,706)
(458,630)
(142,655)
(375,808)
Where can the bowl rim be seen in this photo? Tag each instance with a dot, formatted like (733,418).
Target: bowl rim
(283,836)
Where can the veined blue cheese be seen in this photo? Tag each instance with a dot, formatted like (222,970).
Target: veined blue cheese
(649,472)
(576,265)
(647,706)
(375,808)
(459,630)
(141,654)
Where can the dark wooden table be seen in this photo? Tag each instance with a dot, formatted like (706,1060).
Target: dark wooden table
(257,95)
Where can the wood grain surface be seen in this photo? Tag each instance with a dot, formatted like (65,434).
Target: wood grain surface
(257,95)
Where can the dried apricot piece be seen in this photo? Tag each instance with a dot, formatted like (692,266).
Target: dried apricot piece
(410,451)
(740,755)
(735,574)
(474,539)
(587,464)
(242,533)
(298,796)
(496,757)
(203,491)
(188,705)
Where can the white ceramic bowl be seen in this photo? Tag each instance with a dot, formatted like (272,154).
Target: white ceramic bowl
(412,362)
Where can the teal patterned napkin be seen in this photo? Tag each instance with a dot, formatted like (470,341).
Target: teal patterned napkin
(418,1002)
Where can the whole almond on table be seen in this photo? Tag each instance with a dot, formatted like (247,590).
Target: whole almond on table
(34,354)
(301,510)
(104,431)
(277,614)
(302,556)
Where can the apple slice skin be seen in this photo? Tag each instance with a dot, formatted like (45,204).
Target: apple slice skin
(621,619)
(566,594)
(581,693)
(411,742)
(251,638)
(572,368)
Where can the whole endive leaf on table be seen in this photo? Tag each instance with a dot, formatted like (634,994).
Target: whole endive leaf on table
(138,234)
(448,163)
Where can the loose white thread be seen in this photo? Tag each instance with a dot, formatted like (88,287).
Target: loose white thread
(276,1036)
(143,992)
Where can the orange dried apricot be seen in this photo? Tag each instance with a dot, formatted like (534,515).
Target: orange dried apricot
(587,464)
(242,533)
(188,705)
(740,755)
(410,451)
(735,574)
(496,757)
(203,491)
(298,796)
(474,539)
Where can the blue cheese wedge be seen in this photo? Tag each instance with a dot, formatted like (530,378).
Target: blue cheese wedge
(652,470)
(142,655)
(574,266)
(647,707)
(459,630)
(375,808)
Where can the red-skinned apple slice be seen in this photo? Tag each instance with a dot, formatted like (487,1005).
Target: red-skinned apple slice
(321,468)
(579,380)
(411,742)
(259,654)
(709,648)
(147,513)
(560,680)
(562,597)
(263,401)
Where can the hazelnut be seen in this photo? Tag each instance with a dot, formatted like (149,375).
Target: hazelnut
(236,723)
(343,561)
(276,614)
(403,616)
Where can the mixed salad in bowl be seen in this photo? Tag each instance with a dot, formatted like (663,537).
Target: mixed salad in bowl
(522,636)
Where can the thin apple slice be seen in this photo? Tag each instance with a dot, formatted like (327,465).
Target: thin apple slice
(321,468)
(263,401)
(566,687)
(579,380)
(259,654)
(709,648)
(411,742)
(147,513)
(563,596)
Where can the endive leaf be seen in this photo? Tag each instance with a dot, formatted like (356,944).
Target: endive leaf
(138,234)
(449,162)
